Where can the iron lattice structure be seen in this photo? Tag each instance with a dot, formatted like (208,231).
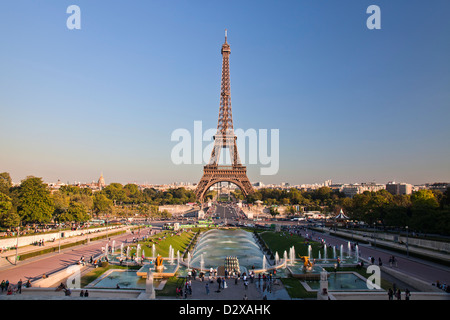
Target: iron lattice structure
(225,138)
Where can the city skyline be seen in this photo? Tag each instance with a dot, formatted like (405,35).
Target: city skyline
(351,104)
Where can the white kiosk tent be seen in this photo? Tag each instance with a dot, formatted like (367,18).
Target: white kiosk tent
(341,216)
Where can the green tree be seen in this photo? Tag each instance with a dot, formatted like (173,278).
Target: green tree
(83,199)
(35,202)
(102,204)
(115,192)
(78,212)
(273,211)
(132,193)
(323,193)
(5,183)
(424,199)
(446,198)
(8,218)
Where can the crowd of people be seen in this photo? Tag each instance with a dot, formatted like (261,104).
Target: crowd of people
(11,288)
(397,293)
(264,281)
(442,286)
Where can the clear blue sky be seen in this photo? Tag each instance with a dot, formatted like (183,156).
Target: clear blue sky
(351,104)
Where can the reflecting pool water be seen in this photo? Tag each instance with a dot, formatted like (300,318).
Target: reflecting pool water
(345,281)
(215,245)
(125,279)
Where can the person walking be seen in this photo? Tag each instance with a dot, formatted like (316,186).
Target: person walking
(3,285)
(207,288)
(219,281)
(19,286)
(390,294)
(407,294)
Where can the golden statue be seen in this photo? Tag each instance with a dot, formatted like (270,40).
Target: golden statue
(306,262)
(159,261)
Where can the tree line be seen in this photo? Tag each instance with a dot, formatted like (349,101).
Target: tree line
(32,202)
(423,211)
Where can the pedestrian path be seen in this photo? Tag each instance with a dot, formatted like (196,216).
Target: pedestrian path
(256,290)
(8,257)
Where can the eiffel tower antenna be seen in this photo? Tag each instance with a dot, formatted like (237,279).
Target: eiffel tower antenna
(224,139)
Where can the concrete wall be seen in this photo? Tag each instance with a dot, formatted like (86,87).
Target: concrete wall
(384,296)
(413,282)
(56,278)
(175,209)
(422,243)
(50,293)
(29,240)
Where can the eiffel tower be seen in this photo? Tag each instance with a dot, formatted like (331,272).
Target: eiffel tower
(225,138)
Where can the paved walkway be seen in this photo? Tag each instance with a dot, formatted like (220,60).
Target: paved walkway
(426,271)
(34,268)
(255,290)
(7,257)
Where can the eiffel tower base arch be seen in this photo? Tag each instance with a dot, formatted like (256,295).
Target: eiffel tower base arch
(213,174)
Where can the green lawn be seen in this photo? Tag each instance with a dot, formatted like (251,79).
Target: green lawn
(163,241)
(170,286)
(283,241)
(296,290)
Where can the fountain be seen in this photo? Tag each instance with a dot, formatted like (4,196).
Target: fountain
(264,263)
(121,250)
(356,253)
(188,260)
(149,288)
(325,252)
(138,248)
(113,248)
(349,247)
(309,252)
(292,255)
(216,244)
(342,253)
(153,251)
(178,257)
(171,254)
(334,252)
(285,258)
(277,258)
(202,263)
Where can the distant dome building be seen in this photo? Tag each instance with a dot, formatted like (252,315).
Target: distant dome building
(101,182)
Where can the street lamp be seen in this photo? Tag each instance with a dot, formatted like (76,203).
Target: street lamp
(374,235)
(407,237)
(17,245)
(59,242)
